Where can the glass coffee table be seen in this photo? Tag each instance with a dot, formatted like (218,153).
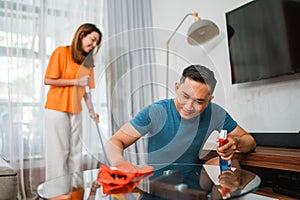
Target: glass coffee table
(175,181)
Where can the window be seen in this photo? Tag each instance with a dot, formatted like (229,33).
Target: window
(29,32)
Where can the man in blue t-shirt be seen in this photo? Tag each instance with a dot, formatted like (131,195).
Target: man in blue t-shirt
(177,128)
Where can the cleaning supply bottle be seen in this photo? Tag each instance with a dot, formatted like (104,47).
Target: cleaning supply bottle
(222,140)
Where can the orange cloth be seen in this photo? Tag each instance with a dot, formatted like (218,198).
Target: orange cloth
(115,181)
(61,66)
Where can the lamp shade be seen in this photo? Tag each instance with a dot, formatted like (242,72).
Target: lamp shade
(202,31)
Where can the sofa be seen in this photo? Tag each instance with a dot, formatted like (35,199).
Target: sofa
(8,181)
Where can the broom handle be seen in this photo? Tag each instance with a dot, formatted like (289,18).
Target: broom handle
(87,90)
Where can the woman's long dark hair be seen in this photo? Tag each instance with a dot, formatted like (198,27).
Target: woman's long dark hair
(78,54)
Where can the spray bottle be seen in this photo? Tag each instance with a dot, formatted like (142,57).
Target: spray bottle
(222,140)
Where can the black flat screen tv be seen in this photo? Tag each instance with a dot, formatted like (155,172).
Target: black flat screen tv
(264,40)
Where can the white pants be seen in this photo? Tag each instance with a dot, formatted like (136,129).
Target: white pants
(63,143)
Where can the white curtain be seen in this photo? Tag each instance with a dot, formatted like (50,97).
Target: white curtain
(29,32)
(130,65)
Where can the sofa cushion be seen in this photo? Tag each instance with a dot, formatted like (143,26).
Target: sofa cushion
(8,181)
(6,169)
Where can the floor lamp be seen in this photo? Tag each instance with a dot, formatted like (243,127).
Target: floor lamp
(199,32)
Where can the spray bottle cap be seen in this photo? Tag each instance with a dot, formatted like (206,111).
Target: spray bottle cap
(223,134)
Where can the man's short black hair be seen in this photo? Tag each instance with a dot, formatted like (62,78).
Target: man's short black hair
(200,74)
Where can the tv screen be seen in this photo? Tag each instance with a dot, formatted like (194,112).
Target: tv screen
(264,39)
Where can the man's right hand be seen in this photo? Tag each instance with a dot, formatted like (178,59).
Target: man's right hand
(126,166)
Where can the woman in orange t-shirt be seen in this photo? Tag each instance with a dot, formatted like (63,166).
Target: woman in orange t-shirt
(69,71)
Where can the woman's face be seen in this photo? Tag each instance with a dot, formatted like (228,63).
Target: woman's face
(89,42)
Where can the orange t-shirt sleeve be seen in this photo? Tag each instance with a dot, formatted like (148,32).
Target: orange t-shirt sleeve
(56,60)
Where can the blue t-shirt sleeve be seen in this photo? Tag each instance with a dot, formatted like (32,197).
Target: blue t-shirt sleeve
(222,119)
(141,122)
(150,119)
(229,123)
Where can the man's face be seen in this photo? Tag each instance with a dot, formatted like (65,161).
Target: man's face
(192,98)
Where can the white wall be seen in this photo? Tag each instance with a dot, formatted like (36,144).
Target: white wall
(264,106)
